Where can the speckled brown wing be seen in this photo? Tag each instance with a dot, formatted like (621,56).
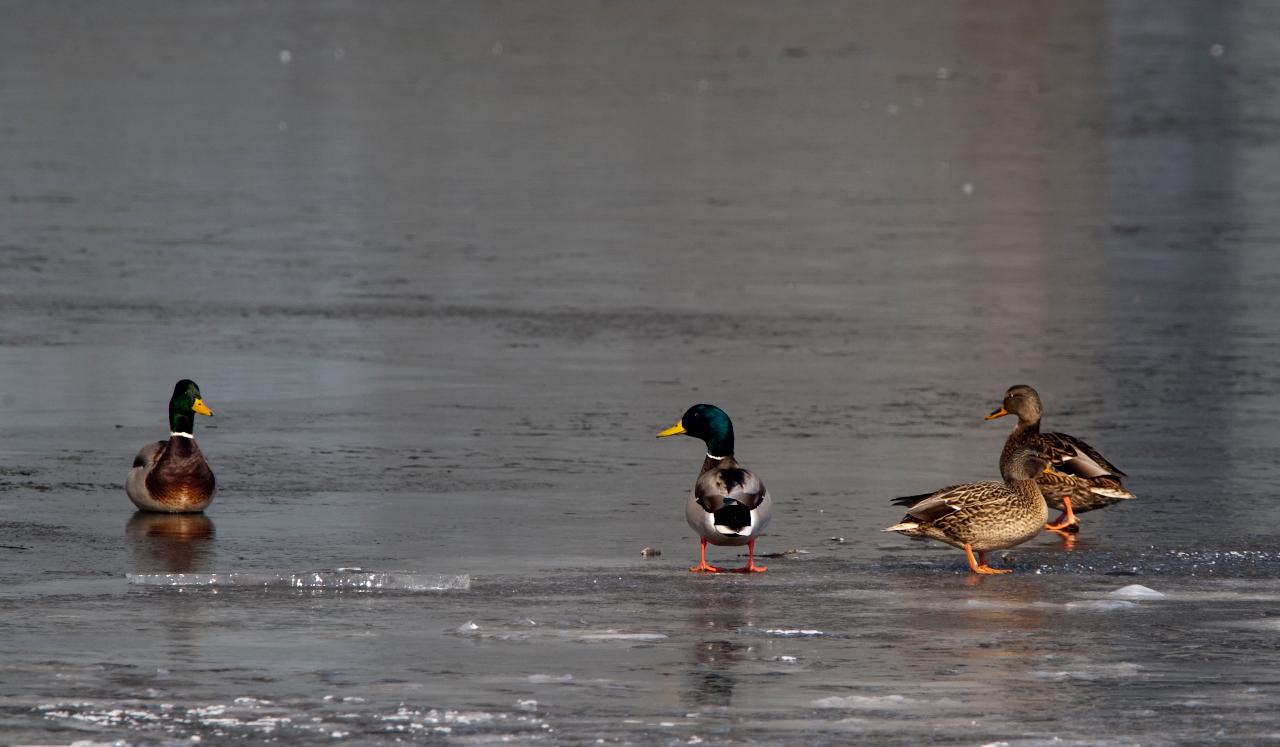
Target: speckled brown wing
(1077,456)
(1086,493)
(933,506)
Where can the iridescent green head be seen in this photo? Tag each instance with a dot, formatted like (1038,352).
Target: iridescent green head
(708,423)
(183,404)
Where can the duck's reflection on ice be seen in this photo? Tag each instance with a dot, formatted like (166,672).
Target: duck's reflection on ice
(173,543)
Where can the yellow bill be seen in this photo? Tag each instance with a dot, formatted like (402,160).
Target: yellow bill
(674,430)
(200,407)
(1000,412)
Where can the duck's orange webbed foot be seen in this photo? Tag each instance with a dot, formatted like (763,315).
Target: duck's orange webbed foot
(987,570)
(703,566)
(979,565)
(751,566)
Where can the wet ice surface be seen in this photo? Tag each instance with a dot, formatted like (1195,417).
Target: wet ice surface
(341,578)
(819,653)
(443,271)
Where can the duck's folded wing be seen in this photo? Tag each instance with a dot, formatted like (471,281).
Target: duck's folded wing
(1077,457)
(148,455)
(934,506)
(715,488)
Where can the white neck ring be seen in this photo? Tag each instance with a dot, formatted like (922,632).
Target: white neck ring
(180,433)
(713,456)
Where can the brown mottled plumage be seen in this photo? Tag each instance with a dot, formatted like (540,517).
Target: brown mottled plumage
(1083,479)
(981,516)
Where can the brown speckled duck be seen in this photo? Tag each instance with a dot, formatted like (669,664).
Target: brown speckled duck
(172,476)
(982,516)
(1082,479)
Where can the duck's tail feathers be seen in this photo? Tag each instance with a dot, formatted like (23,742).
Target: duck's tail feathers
(905,526)
(732,519)
(910,500)
(1112,492)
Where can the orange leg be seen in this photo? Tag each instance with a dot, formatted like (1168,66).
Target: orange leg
(751,566)
(1067,521)
(980,565)
(702,566)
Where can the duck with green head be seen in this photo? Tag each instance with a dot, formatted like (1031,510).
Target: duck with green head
(1082,480)
(728,504)
(172,476)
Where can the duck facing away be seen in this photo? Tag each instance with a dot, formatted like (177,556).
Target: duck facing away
(728,504)
(981,516)
(1082,479)
(172,476)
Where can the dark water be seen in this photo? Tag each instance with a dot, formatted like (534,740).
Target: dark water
(443,270)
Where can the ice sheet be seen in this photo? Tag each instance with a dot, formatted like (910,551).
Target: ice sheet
(359,580)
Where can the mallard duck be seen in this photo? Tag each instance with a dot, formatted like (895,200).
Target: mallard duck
(981,516)
(1082,480)
(728,504)
(173,476)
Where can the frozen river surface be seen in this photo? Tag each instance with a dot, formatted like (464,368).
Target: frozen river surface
(444,269)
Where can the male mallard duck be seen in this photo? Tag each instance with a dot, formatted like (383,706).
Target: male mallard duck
(172,476)
(982,516)
(1082,481)
(728,504)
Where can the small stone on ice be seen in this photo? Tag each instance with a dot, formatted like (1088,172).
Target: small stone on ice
(1217,50)
(468,626)
(285,57)
(650,552)
(1136,591)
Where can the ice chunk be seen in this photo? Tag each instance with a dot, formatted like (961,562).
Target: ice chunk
(863,701)
(1136,591)
(791,632)
(326,579)
(535,632)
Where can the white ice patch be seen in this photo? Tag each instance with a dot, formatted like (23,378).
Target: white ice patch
(1093,672)
(543,633)
(792,632)
(250,720)
(1136,591)
(880,702)
(336,579)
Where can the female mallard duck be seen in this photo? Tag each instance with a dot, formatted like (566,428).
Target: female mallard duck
(728,504)
(1082,480)
(982,516)
(172,476)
